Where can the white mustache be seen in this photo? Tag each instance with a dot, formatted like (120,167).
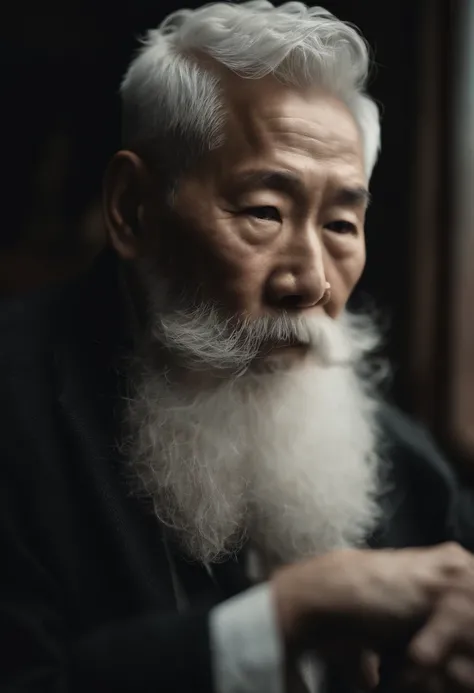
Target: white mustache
(203,339)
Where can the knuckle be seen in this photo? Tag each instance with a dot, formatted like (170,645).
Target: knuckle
(456,607)
(453,550)
(422,654)
(456,559)
(459,607)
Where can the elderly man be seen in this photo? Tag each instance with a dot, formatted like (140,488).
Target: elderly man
(202,489)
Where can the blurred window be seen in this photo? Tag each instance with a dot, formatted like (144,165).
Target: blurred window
(461,353)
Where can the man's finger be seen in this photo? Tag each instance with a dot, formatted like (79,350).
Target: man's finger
(460,671)
(369,670)
(452,623)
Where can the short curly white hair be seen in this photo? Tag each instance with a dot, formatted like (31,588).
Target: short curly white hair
(173,107)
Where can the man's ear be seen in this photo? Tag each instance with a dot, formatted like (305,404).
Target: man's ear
(124,192)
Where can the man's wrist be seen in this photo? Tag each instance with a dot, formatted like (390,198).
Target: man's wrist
(306,603)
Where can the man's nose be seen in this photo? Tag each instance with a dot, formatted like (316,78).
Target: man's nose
(299,282)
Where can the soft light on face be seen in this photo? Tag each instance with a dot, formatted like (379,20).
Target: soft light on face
(271,222)
(278,211)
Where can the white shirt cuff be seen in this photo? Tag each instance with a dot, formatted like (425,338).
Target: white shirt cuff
(247,652)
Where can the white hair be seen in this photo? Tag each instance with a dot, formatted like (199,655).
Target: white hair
(173,104)
(287,459)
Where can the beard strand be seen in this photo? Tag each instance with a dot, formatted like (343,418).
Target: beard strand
(287,460)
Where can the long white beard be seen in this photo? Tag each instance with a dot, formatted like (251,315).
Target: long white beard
(286,459)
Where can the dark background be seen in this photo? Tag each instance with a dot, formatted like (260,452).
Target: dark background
(61,68)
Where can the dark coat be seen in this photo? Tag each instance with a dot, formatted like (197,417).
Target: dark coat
(86,600)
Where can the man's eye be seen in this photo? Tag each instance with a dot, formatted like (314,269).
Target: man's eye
(267,213)
(342,227)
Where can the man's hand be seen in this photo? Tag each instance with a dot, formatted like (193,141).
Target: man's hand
(442,653)
(373,599)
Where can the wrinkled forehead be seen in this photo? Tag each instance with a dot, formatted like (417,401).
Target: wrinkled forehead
(307,131)
(287,126)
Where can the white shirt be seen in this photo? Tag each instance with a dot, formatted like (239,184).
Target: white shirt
(247,649)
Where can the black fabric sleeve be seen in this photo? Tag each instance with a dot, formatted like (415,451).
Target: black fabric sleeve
(151,653)
(147,654)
